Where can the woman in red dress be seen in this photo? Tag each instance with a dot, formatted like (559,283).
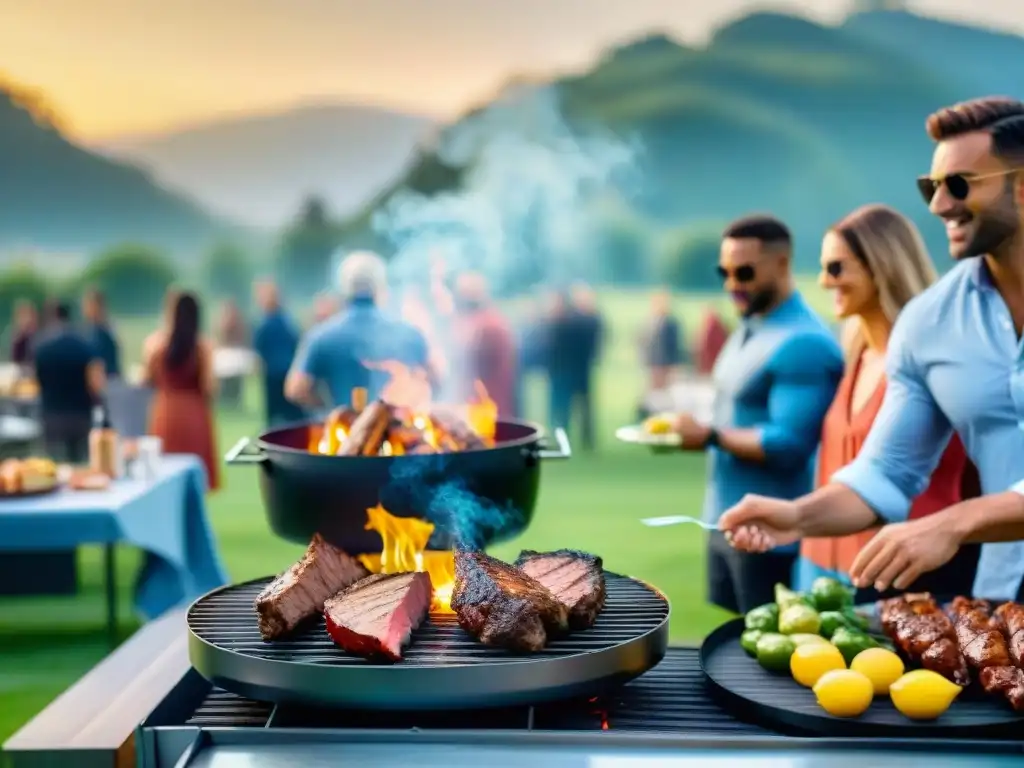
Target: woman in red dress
(179,366)
(874,262)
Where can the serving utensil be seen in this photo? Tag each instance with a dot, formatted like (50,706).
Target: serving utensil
(660,522)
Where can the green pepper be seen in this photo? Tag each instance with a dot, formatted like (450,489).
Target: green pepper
(831,621)
(850,642)
(830,595)
(773,652)
(764,617)
(785,597)
(748,641)
(854,619)
(799,619)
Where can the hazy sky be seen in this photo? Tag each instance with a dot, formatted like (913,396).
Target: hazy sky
(115,67)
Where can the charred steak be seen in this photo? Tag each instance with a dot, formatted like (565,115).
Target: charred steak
(575,578)
(376,615)
(502,606)
(299,593)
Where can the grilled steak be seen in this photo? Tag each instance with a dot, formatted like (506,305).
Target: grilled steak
(502,606)
(575,578)
(376,615)
(299,593)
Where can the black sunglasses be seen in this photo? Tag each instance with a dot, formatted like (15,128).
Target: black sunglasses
(834,268)
(743,274)
(957,184)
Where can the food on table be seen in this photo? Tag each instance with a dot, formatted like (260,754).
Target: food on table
(844,693)
(764,617)
(88,480)
(300,592)
(748,641)
(1005,681)
(660,424)
(830,595)
(377,615)
(924,634)
(575,578)
(923,694)
(812,660)
(774,651)
(833,620)
(1010,617)
(799,619)
(500,605)
(27,475)
(850,643)
(879,665)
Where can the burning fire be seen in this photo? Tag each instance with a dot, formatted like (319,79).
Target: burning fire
(405,549)
(408,392)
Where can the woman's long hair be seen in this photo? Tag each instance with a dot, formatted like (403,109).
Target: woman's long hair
(891,248)
(184,319)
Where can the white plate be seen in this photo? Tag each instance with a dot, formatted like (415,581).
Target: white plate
(635,433)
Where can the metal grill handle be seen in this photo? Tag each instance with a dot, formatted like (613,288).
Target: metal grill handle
(244,452)
(564,448)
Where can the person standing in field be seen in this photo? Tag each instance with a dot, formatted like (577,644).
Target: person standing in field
(774,382)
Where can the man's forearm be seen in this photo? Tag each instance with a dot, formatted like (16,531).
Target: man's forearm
(993,518)
(834,510)
(742,443)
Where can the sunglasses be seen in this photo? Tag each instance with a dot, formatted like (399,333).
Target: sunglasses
(833,268)
(743,274)
(957,184)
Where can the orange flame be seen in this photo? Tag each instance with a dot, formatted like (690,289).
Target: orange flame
(404,549)
(482,413)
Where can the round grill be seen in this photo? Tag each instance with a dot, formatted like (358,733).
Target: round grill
(443,667)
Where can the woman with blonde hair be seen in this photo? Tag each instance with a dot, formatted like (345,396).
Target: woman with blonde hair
(873,262)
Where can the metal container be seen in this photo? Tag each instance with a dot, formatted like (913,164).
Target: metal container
(492,491)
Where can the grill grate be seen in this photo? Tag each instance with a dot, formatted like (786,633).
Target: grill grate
(226,620)
(670,697)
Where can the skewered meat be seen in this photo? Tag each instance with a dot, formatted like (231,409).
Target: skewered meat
(575,578)
(982,644)
(1010,617)
(502,606)
(1008,681)
(925,634)
(299,593)
(376,615)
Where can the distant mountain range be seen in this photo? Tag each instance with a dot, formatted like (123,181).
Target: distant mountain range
(776,113)
(55,196)
(257,169)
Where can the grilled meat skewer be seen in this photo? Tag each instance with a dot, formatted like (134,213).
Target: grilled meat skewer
(925,634)
(1010,617)
(983,639)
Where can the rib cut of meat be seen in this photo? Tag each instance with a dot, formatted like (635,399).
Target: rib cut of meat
(299,593)
(376,615)
(575,578)
(502,606)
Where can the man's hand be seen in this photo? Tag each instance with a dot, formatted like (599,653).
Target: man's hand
(758,523)
(901,552)
(694,435)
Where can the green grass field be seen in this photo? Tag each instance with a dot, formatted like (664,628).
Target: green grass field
(592,502)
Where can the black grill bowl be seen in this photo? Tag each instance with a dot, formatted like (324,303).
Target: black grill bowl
(444,667)
(750,692)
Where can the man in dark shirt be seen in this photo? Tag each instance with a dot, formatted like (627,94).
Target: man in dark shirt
(97,331)
(275,341)
(71,381)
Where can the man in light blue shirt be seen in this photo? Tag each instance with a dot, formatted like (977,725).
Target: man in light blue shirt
(955,363)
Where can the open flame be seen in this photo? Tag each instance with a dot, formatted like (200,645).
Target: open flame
(404,549)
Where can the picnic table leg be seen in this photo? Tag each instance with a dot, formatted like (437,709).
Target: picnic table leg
(110,579)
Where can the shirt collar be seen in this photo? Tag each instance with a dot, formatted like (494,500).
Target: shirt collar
(980,277)
(780,312)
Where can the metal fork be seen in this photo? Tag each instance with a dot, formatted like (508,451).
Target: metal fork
(659,522)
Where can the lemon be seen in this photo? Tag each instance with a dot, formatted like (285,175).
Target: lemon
(805,639)
(843,692)
(812,660)
(923,694)
(879,665)
(658,425)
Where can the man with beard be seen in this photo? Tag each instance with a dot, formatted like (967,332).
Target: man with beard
(774,381)
(955,362)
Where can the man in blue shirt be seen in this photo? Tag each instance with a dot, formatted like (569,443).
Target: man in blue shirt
(955,363)
(774,380)
(94,309)
(341,352)
(275,341)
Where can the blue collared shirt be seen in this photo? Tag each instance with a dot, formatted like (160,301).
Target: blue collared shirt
(954,363)
(777,374)
(275,341)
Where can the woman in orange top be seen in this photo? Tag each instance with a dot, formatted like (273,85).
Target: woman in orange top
(874,262)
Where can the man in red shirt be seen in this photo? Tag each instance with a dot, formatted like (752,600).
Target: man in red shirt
(485,344)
